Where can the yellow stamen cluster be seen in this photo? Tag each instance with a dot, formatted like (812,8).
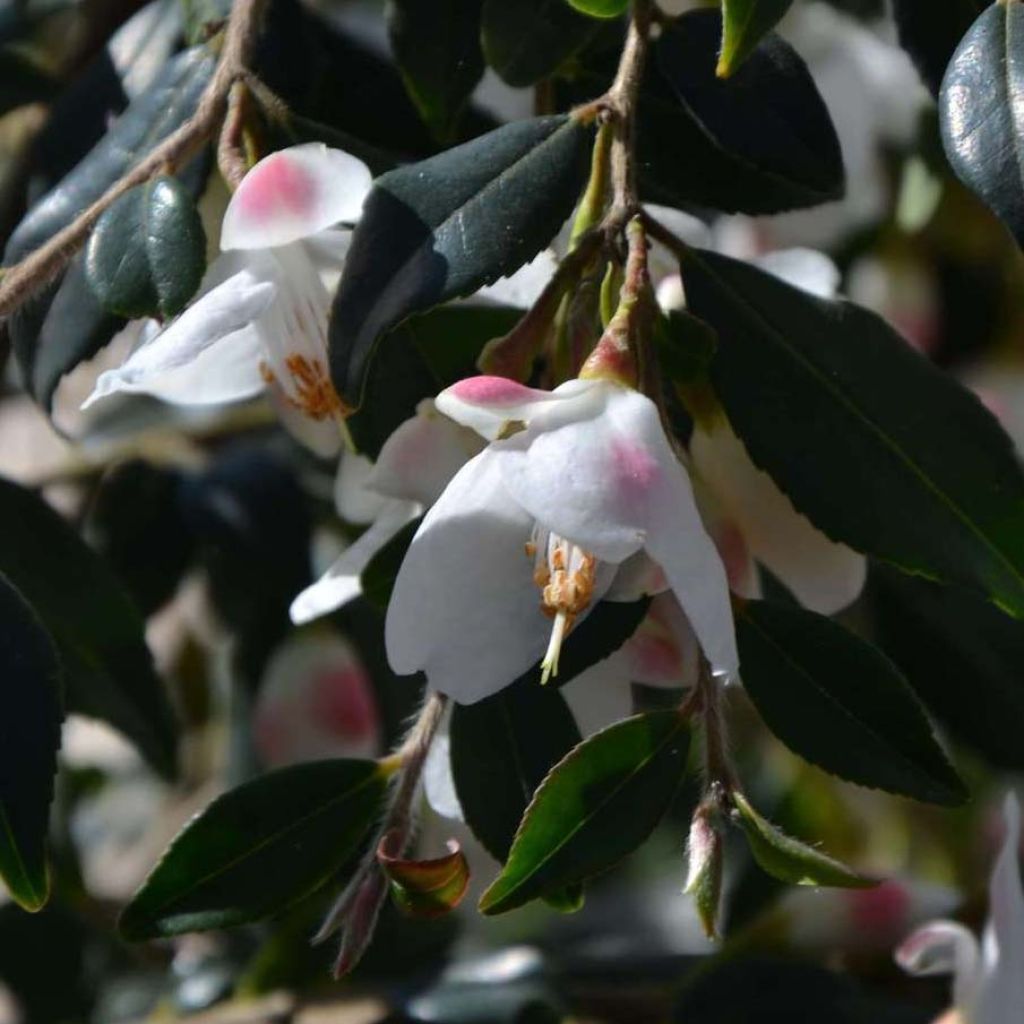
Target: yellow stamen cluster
(312,391)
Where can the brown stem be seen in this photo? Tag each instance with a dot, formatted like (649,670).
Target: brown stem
(719,775)
(231,159)
(22,280)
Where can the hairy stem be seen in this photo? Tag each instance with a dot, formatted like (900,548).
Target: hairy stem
(25,278)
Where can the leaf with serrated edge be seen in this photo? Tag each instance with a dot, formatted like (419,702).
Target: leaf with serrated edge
(259,848)
(788,859)
(745,23)
(595,806)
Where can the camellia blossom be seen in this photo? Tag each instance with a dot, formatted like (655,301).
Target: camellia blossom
(260,320)
(988,978)
(576,497)
(413,469)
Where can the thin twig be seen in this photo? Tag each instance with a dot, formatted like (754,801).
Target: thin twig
(25,278)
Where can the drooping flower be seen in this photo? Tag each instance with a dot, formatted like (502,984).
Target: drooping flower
(988,977)
(577,488)
(413,469)
(260,321)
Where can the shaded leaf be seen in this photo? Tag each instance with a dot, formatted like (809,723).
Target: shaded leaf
(502,747)
(147,253)
(258,848)
(840,703)
(30,718)
(437,49)
(597,805)
(788,859)
(880,449)
(760,141)
(981,111)
(931,32)
(99,633)
(527,40)
(745,23)
(378,578)
(23,81)
(445,227)
(425,888)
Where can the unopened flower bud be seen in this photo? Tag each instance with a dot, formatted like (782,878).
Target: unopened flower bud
(704,878)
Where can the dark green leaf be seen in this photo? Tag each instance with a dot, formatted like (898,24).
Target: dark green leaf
(426,888)
(788,859)
(445,227)
(981,111)
(875,445)
(378,578)
(760,141)
(147,253)
(600,8)
(30,717)
(258,848)
(950,644)
(23,81)
(840,703)
(437,48)
(527,40)
(597,805)
(746,22)
(501,749)
(98,631)
(930,32)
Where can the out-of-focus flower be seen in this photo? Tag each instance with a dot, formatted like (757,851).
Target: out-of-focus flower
(577,491)
(260,320)
(988,977)
(315,701)
(413,468)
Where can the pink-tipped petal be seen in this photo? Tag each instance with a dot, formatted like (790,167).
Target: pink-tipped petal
(292,194)
(941,947)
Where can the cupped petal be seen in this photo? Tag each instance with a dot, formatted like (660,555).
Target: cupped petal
(342,582)
(465,609)
(823,575)
(944,947)
(495,406)
(438,781)
(209,354)
(295,193)
(354,501)
(421,457)
(664,650)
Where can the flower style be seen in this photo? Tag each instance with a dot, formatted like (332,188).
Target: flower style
(413,468)
(577,497)
(988,978)
(261,317)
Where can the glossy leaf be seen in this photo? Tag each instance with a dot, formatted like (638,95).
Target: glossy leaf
(501,749)
(30,718)
(931,32)
(596,806)
(876,446)
(949,643)
(840,703)
(99,634)
(527,40)
(147,253)
(981,111)
(425,888)
(760,141)
(437,49)
(443,228)
(258,848)
(600,8)
(788,859)
(745,23)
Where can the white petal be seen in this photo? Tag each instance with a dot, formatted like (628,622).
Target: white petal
(663,650)
(438,781)
(421,457)
(808,269)
(211,353)
(489,405)
(341,583)
(465,608)
(523,288)
(943,947)
(353,499)
(823,575)
(292,194)
(601,695)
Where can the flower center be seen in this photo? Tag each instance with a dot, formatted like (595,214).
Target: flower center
(309,388)
(565,575)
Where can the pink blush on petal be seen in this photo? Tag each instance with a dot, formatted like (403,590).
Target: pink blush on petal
(278,183)
(881,910)
(341,702)
(499,391)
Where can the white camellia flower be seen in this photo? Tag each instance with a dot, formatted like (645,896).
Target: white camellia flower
(988,978)
(260,320)
(413,468)
(577,490)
